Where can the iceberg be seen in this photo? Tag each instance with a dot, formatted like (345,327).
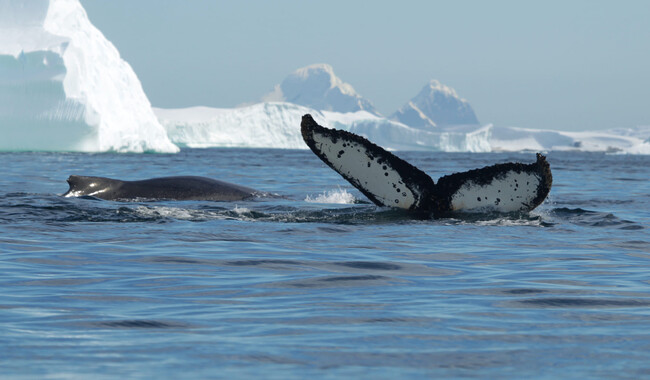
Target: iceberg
(396,136)
(277,125)
(436,119)
(622,140)
(262,125)
(64,86)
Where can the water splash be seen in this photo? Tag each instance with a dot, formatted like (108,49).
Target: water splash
(338,196)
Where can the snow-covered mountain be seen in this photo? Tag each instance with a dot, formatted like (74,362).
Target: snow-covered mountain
(64,87)
(277,125)
(434,106)
(316,86)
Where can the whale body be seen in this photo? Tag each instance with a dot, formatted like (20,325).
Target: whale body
(176,188)
(387,180)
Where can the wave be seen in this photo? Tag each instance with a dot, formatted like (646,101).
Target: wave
(588,218)
(344,209)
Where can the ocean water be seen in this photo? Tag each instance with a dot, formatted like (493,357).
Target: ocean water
(317,282)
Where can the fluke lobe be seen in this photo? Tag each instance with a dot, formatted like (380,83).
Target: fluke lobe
(387,180)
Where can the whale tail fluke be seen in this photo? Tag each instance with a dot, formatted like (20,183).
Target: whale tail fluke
(387,180)
(384,178)
(508,187)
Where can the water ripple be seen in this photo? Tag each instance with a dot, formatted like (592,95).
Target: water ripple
(592,303)
(138,324)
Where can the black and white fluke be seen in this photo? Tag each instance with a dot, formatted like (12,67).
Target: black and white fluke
(387,180)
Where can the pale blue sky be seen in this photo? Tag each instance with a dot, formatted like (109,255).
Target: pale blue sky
(568,65)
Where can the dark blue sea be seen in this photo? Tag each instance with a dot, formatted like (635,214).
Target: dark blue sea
(300,286)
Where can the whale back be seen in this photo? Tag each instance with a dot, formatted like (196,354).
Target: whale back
(99,187)
(175,188)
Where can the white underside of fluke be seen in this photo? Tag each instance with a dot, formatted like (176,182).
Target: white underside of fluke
(352,160)
(511,192)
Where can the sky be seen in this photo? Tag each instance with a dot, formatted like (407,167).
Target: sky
(564,65)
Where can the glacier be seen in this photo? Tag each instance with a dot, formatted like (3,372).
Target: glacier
(64,86)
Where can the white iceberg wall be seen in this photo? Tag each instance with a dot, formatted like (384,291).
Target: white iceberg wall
(607,142)
(612,141)
(64,87)
(263,125)
(34,111)
(277,125)
(396,136)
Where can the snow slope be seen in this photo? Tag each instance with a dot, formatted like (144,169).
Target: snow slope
(434,106)
(64,87)
(316,86)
